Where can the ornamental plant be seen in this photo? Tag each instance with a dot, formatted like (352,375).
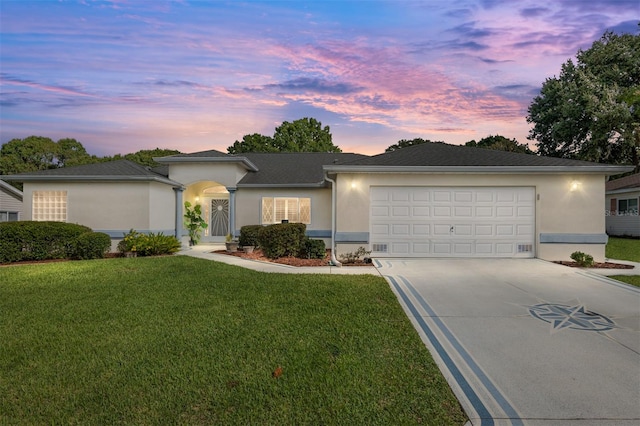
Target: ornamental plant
(194,222)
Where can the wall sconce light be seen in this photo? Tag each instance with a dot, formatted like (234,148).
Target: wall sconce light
(353,185)
(197,199)
(574,186)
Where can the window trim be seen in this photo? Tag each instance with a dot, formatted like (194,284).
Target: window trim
(274,210)
(8,214)
(627,210)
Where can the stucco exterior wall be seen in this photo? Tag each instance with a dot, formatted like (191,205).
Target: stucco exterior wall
(113,207)
(249,207)
(562,213)
(227,174)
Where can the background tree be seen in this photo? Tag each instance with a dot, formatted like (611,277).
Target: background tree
(145,156)
(592,110)
(70,152)
(405,143)
(500,143)
(303,135)
(253,143)
(28,155)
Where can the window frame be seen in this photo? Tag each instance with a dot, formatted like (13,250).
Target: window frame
(301,203)
(8,215)
(49,205)
(627,209)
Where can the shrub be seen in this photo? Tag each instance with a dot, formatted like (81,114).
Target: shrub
(353,257)
(313,249)
(249,235)
(582,259)
(148,244)
(28,240)
(90,245)
(282,239)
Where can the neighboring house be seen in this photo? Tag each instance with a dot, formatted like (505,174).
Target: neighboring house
(429,200)
(622,201)
(10,203)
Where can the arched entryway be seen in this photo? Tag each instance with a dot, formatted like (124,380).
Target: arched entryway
(214,201)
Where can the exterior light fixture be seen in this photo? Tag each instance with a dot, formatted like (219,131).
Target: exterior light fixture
(574,185)
(353,185)
(197,199)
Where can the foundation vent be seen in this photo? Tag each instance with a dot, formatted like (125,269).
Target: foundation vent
(380,248)
(525,248)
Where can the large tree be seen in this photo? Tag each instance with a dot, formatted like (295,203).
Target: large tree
(592,110)
(303,135)
(405,143)
(253,143)
(500,143)
(28,155)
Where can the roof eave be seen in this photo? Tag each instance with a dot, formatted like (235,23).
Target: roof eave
(622,190)
(283,185)
(10,188)
(89,178)
(596,169)
(243,160)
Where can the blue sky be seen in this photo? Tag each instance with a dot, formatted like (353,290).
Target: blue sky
(120,76)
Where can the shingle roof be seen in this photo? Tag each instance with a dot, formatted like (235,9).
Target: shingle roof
(291,168)
(111,170)
(632,181)
(441,154)
(204,154)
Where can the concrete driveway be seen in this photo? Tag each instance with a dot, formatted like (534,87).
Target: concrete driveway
(523,341)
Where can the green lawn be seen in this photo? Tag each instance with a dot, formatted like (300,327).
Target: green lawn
(178,340)
(623,249)
(629,279)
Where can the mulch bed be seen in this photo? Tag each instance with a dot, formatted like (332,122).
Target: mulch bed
(291,261)
(597,265)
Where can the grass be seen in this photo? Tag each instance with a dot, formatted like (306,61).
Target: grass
(629,279)
(623,249)
(178,340)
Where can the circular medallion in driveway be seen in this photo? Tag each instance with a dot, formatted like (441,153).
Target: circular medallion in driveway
(575,317)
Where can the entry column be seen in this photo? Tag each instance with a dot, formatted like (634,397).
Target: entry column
(232,211)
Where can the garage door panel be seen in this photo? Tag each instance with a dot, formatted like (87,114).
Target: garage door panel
(442,211)
(453,221)
(462,211)
(420,212)
(380,211)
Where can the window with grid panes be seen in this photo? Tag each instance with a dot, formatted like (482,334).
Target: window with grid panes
(277,209)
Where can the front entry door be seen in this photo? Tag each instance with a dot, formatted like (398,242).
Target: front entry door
(219,219)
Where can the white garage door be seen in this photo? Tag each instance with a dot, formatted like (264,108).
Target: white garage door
(452,221)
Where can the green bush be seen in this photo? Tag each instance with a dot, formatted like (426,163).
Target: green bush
(313,249)
(355,256)
(282,239)
(28,240)
(148,244)
(582,259)
(249,235)
(90,245)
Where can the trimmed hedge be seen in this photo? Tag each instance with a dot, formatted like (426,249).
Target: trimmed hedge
(150,244)
(90,245)
(249,235)
(313,249)
(28,240)
(282,239)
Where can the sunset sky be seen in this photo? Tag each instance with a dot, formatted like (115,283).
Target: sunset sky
(120,76)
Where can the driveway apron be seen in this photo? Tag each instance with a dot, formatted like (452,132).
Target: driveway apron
(524,341)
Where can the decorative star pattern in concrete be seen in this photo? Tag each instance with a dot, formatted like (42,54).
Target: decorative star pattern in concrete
(575,317)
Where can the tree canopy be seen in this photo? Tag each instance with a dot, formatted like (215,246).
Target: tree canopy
(405,143)
(592,110)
(500,143)
(302,135)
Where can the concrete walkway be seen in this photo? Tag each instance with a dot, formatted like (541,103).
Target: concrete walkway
(205,251)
